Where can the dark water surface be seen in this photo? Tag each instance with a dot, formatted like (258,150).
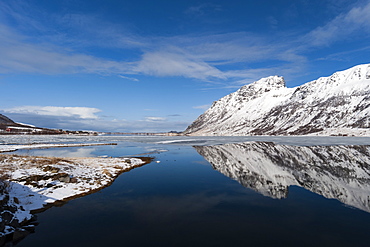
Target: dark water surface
(259,194)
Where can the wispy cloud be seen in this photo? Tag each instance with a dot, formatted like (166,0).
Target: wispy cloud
(272,21)
(76,112)
(202,107)
(83,30)
(128,78)
(155,119)
(199,57)
(18,55)
(203,9)
(223,57)
(357,19)
(224,48)
(344,55)
(174,64)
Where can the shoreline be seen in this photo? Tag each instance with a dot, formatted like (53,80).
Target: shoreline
(33,184)
(14,147)
(146,161)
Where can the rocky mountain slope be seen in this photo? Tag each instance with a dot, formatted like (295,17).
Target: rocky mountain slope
(334,105)
(339,172)
(5,120)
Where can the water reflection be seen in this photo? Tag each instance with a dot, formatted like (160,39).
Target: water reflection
(340,172)
(121,150)
(60,152)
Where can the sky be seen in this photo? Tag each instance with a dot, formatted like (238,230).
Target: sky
(156,65)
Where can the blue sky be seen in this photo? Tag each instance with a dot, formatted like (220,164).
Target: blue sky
(153,66)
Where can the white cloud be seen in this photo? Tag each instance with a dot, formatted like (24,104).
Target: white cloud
(150,124)
(155,119)
(202,107)
(76,112)
(128,78)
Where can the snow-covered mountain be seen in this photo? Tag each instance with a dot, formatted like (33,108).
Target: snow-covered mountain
(334,105)
(339,172)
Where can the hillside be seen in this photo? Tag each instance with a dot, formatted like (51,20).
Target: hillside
(8,126)
(5,120)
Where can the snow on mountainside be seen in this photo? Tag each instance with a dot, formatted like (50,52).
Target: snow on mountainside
(338,104)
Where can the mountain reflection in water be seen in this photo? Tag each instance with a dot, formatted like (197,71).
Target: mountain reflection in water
(339,172)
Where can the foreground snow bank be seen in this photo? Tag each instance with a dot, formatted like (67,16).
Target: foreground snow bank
(29,184)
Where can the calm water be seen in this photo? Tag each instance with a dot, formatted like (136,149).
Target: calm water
(245,194)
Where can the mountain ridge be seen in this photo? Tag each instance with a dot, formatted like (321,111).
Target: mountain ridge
(333,105)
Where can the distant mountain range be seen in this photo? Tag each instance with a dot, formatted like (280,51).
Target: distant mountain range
(334,105)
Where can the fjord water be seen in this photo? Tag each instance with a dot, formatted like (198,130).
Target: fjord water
(229,194)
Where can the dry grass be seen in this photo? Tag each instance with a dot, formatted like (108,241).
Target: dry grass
(4,184)
(9,163)
(34,160)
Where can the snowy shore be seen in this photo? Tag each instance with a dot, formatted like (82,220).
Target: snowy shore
(12,148)
(29,184)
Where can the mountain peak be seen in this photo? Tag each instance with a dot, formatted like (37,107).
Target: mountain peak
(271,81)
